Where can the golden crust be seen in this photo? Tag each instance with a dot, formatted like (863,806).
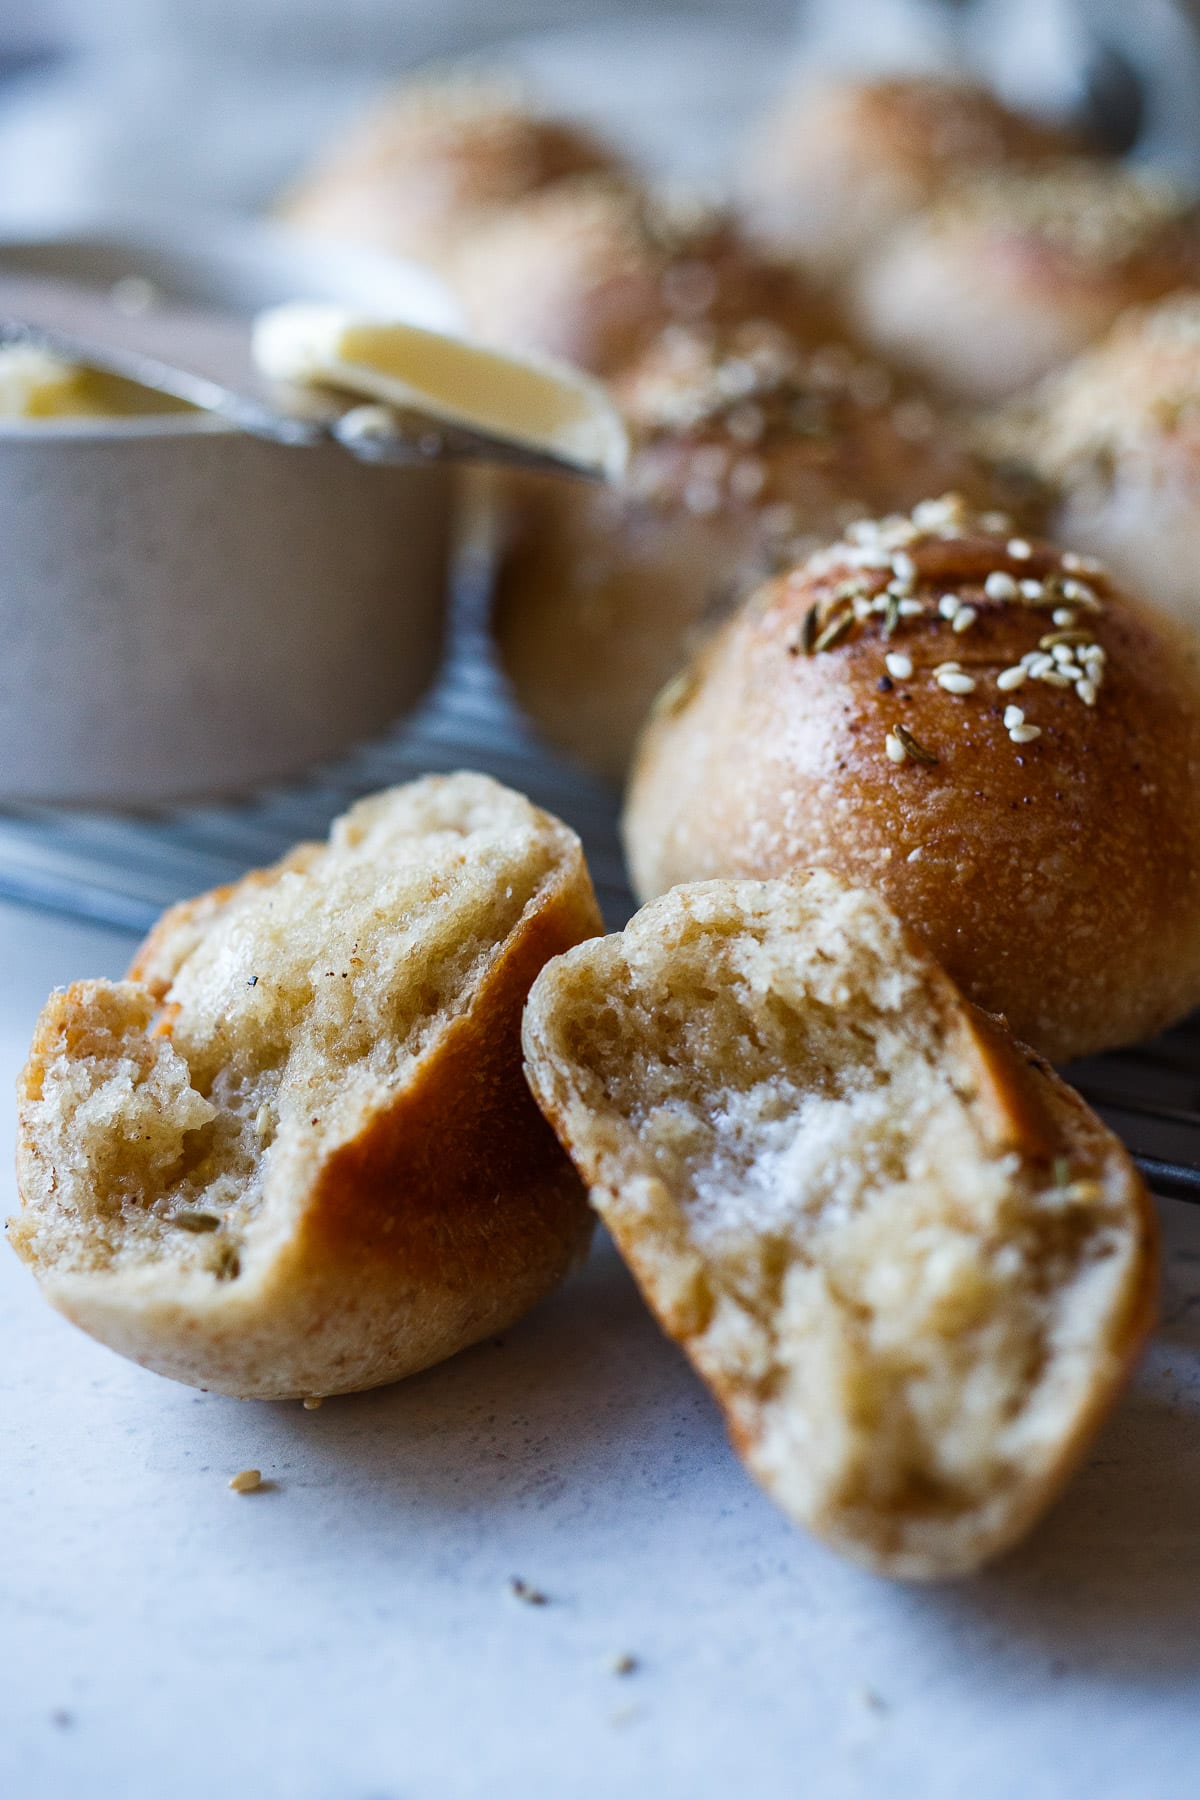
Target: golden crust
(1057,880)
(748,451)
(818,1414)
(442,1217)
(592,269)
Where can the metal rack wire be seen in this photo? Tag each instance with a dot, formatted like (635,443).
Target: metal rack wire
(122,869)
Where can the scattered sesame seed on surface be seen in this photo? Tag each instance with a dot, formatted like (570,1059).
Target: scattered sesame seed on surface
(1013,715)
(1019,549)
(1008,679)
(910,609)
(1031,589)
(898,665)
(956,681)
(964,618)
(1086,691)
(246,1480)
(1063,615)
(948,605)
(1025,734)
(895,749)
(1000,586)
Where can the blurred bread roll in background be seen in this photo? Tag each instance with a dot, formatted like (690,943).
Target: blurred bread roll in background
(591,270)
(423,168)
(842,161)
(748,449)
(984,730)
(1117,435)
(1016,272)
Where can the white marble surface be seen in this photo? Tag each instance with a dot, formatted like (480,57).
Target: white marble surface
(348,1634)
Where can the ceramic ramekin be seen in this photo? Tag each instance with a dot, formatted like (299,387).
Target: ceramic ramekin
(187,611)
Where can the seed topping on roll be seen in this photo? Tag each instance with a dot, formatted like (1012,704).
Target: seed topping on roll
(885,573)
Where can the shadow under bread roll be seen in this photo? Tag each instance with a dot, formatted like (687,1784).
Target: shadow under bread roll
(985,730)
(840,162)
(1116,436)
(1014,273)
(748,449)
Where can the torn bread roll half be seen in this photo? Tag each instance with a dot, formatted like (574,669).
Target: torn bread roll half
(910,1263)
(293,1153)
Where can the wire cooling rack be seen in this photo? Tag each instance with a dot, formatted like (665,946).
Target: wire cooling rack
(122,869)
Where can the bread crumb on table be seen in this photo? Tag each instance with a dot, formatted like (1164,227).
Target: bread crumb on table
(246,1481)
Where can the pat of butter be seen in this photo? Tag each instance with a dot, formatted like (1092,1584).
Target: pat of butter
(540,405)
(35,384)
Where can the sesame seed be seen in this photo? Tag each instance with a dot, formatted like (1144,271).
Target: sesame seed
(948,605)
(246,1480)
(1041,663)
(1008,679)
(263,1120)
(1013,715)
(1063,615)
(1055,678)
(947,668)
(903,566)
(1071,670)
(964,618)
(899,666)
(1000,586)
(910,609)
(1086,691)
(956,681)
(1032,590)
(1025,734)
(1062,653)
(1018,548)
(895,749)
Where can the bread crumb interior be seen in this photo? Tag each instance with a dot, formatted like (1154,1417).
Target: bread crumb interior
(896,1298)
(298,1008)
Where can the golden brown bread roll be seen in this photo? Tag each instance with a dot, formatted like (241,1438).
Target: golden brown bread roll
(984,730)
(910,1264)
(592,269)
(1016,272)
(293,1152)
(841,161)
(1117,434)
(434,159)
(747,450)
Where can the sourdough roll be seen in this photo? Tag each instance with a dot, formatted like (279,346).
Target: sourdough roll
(982,728)
(292,1153)
(841,162)
(1019,271)
(1117,435)
(748,449)
(910,1263)
(591,270)
(432,160)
